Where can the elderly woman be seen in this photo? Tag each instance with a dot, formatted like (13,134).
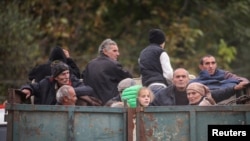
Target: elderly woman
(199,94)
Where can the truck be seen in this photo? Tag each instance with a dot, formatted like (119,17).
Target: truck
(28,122)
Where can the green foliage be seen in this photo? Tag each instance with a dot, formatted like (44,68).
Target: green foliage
(227,54)
(29,29)
(18,45)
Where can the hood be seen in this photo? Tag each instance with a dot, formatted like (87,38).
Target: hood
(57,54)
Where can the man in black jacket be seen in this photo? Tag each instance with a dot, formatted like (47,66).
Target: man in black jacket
(45,90)
(104,72)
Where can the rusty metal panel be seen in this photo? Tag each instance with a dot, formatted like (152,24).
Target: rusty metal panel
(169,126)
(76,123)
(99,126)
(189,123)
(40,126)
(65,123)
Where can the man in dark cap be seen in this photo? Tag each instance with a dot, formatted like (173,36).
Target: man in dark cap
(155,67)
(45,90)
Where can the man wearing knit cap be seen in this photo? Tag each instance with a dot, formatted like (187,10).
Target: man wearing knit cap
(45,90)
(154,62)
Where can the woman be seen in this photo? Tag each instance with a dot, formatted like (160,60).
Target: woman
(199,94)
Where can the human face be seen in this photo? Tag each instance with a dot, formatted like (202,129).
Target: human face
(63,78)
(209,64)
(180,79)
(193,96)
(144,97)
(72,97)
(112,52)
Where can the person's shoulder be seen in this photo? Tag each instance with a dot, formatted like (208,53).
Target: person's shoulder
(46,79)
(41,66)
(163,91)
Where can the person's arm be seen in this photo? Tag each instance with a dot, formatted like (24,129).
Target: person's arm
(225,93)
(155,102)
(30,89)
(166,66)
(73,67)
(80,88)
(222,94)
(119,72)
(231,75)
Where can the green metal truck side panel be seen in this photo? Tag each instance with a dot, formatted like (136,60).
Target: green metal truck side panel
(62,123)
(189,123)
(78,123)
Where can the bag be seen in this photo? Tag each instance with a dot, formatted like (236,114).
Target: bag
(88,101)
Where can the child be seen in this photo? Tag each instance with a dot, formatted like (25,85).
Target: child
(145,96)
(132,94)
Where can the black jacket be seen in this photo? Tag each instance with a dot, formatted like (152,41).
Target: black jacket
(150,65)
(103,75)
(45,90)
(41,71)
(167,96)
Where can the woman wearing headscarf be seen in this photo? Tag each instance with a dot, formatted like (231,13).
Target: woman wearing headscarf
(199,94)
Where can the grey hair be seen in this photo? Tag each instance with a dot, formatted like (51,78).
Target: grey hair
(62,92)
(106,45)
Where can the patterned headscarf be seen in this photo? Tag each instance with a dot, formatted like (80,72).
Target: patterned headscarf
(202,90)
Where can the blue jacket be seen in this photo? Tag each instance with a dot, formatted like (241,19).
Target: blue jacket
(215,81)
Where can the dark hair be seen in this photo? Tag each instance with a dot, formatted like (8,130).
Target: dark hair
(202,61)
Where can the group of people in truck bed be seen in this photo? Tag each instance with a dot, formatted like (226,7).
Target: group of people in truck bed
(104,81)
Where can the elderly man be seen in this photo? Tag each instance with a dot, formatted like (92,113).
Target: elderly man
(104,72)
(176,93)
(45,90)
(66,95)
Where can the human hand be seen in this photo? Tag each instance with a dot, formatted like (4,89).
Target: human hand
(241,85)
(27,92)
(66,52)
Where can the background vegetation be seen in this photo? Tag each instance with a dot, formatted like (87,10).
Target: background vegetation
(30,28)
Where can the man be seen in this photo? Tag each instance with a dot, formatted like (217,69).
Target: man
(45,90)
(66,95)
(156,70)
(176,94)
(216,78)
(104,72)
